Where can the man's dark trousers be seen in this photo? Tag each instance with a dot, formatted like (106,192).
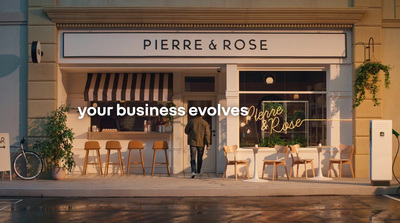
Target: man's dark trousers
(200,152)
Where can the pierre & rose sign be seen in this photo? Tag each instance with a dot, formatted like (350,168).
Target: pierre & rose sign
(201,44)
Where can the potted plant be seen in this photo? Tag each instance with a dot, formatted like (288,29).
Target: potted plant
(56,148)
(367,79)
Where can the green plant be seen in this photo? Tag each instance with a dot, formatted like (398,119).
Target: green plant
(367,79)
(300,139)
(263,142)
(275,139)
(271,141)
(56,148)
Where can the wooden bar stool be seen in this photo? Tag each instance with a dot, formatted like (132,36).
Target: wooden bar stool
(114,145)
(160,145)
(135,145)
(92,145)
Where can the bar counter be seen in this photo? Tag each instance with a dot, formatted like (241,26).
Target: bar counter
(148,138)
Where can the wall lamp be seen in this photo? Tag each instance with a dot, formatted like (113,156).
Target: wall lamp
(36,52)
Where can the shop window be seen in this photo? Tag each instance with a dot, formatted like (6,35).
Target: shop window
(199,84)
(128,122)
(297,117)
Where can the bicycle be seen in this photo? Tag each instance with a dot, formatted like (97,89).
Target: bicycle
(27,164)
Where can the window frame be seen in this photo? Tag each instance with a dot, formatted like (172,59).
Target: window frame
(325,93)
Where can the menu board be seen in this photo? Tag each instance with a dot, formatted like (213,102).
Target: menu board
(5,163)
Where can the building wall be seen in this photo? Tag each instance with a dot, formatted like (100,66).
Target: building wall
(369,26)
(391,55)
(379,15)
(43,81)
(13,69)
(391,107)
(42,77)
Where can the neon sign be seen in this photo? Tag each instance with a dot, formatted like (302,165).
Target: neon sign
(270,119)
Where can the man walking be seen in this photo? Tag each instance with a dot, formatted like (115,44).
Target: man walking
(198,132)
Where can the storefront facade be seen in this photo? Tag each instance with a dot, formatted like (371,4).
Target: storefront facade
(298,59)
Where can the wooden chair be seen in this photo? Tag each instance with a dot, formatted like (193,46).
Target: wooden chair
(160,145)
(235,162)
(278,162)
(296,160)
(114,145)
(345,151)
(90,146)
(135,145)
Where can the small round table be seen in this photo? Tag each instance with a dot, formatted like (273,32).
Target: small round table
(319,174)
(255,178)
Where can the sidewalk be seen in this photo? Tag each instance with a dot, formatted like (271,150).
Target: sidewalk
(182,186)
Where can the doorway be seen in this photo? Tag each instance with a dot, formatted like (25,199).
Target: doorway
(209,158)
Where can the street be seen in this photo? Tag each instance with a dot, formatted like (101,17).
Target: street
(203,209)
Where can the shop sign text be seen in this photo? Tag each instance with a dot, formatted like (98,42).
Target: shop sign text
(270,120)
(198,44)
(202,44)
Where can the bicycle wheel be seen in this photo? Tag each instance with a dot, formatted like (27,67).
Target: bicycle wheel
(30,168)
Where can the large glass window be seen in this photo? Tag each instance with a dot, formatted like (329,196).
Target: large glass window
(288,109)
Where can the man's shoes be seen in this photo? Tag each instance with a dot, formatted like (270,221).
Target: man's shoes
(193,174)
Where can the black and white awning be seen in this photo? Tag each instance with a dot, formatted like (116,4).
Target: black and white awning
(128,87)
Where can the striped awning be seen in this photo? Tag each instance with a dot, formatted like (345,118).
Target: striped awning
(128,87)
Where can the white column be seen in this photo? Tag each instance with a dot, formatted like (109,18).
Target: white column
(339,105)
(222,127)
(177,152)
(232,100)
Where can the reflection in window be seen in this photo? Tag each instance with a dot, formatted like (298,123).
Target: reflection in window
(283,118)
